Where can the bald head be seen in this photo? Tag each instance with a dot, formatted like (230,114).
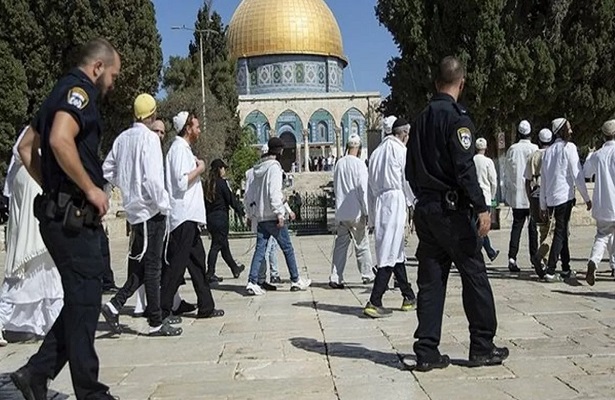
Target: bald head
(450,72)
(159,128)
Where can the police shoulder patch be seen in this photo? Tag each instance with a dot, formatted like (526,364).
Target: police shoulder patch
(465,137)
(78,97)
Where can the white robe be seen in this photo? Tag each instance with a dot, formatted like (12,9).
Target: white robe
(389,197)
(31,297)
(514,177)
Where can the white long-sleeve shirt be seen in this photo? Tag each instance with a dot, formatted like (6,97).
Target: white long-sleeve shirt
(560,171)
(602,164)
(187,200)
(487,177)
(350,187)
(135,166)
(514,176)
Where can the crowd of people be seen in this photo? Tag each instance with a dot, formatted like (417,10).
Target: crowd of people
(431,173)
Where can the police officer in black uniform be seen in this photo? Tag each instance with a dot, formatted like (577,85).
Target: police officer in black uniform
(441,172)
(67,129)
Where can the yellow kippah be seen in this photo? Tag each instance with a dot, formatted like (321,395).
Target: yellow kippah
(145,106)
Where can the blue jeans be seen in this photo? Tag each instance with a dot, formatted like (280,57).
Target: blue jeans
(487,246)
(271,256)
(264,231)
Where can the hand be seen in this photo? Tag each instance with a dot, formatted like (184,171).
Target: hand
(588,205)
(99,199)
(200,165)
(292,216)
(484,223)
(280,222)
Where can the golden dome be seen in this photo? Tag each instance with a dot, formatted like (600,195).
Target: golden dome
(266,27)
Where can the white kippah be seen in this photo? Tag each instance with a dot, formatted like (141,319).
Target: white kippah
(388,124)
(608,128)
(557,124)
(179,121)
(524,128)
(545,135)
(354,141)
(481,144)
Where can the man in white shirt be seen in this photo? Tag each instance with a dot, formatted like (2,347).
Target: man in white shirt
(602,165)
(350,188)
(532,188)
(516,197)
(488,182)
(266,206)
(389,197)
(135,166)
(560,172)
(185,248)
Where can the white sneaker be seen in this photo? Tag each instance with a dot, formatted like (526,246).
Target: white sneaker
(301,284)
(2,341)
(254,290)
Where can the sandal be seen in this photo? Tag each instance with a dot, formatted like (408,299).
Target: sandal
(213,314)
(167,330)
(172,320)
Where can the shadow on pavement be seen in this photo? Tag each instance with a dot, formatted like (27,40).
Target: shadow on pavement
(357,311)
(223,287)
(601,295)
(8,391)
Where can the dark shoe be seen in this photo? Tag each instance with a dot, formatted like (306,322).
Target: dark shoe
(426,366)
(553,278)
(268,287)
(275,279)
(214,280)
(367,281)
(184,308)
(112,289)
(238,271)
(376,312)
(30,388)
(568,274)
(512,266)
(494,256)
(213,314)
(112,319)
(497,355)
(167,330)
(334,285)
(590,277)
(408,305)
(172,320)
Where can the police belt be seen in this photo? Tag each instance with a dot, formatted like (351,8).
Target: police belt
(69,205)
(452,200)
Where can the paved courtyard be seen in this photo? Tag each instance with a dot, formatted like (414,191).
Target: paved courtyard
(317,345)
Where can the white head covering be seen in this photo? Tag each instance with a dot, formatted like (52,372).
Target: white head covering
(354,141)
(179,121)
(524,128)
(608,128)
(265,149)
(558,124)
(387,124)
(481,144)
(545,136)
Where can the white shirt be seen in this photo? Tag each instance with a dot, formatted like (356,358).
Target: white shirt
(602,164)
(135,166)
(487,177)
(187,200)
(560,170)
(350,187)
(514,177)
(14,165)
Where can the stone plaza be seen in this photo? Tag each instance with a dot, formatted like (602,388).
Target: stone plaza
(318,345)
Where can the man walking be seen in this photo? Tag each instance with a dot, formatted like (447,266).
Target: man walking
(442,174)
(516,197)
(488,182)
(602,165)
(350,188)
(560,172)
(389,198)
(135,166)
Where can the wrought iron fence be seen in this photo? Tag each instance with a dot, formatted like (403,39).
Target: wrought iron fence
(311,215)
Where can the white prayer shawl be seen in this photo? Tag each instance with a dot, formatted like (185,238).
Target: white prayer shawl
(14,165)
(514,177)
(389,197)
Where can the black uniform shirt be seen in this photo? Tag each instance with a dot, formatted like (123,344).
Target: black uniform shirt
(441,152)
(77,95)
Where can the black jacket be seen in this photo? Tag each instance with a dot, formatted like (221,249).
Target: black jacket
(224,200)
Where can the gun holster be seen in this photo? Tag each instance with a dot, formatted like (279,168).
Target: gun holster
(451,200)
(74,212)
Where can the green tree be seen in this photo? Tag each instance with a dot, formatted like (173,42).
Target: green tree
(244,157)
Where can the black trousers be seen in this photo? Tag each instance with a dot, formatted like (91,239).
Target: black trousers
(519,217)
(559,247)
(108,279)
(144,267)
(446,237)
(78,257)
(218,227)
(381,283)
(185,250)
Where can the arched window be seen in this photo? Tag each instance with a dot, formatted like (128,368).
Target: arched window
(355,128)
(322,132)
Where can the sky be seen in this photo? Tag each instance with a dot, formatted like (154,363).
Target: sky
(367,45)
